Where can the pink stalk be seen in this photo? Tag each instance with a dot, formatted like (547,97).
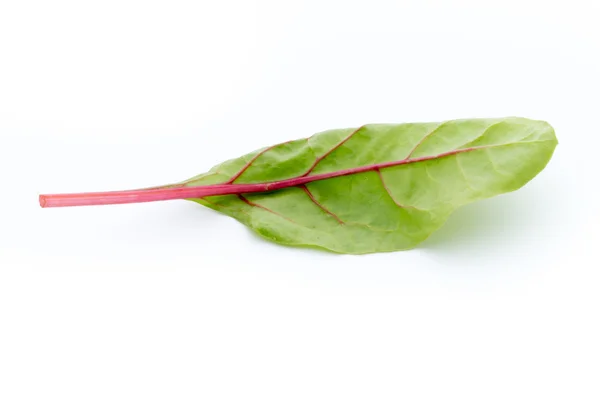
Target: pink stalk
(191,192)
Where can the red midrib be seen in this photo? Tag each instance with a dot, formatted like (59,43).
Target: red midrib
(142,196)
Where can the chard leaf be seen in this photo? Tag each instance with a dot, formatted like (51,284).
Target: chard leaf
(376,188)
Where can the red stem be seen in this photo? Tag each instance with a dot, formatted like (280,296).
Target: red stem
(173,193)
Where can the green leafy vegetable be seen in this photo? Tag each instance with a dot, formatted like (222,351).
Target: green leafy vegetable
(380,187)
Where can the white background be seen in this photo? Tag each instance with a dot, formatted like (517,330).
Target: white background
(173,301)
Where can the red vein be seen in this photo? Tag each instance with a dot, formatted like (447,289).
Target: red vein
(136,196)
(319,159)
(249,163)
(322,207)
(253,204)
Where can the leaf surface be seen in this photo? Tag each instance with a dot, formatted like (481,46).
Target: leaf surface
(380,187)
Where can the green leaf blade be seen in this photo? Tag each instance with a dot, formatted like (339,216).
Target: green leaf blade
(375,207)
